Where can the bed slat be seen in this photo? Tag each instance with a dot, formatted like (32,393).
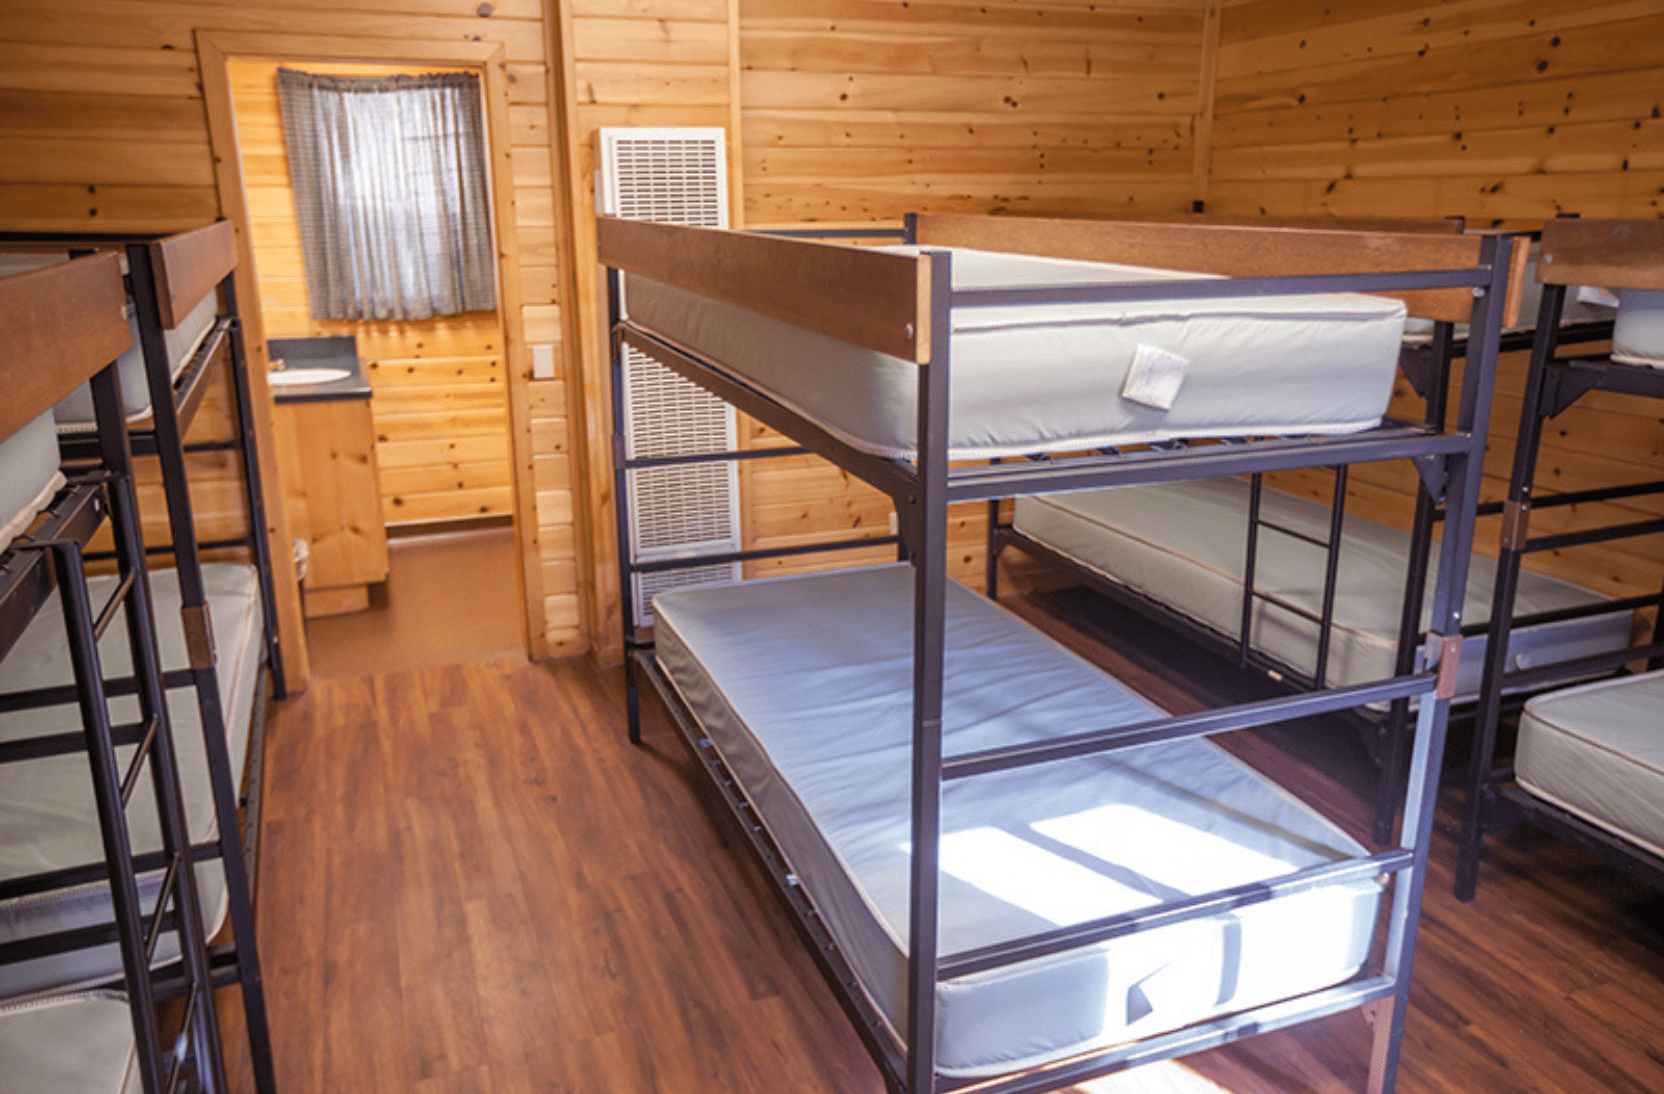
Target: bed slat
(1613,253)
(1226,249)
(189,265)
(869,298)
(58,326)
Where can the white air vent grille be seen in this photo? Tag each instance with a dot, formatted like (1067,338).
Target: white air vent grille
(673,176)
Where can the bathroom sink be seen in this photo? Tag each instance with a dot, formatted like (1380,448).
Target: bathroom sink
(291,376)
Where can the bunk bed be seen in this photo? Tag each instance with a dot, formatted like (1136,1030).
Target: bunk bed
(1015,873)
(216,629)
(1586,758)
(61,326)
(1326,594)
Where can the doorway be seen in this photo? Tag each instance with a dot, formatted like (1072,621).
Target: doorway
(450,433)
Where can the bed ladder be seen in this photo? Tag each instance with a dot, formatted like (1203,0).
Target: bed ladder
(194,1059)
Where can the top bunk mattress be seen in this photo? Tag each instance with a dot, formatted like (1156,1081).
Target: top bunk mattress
(29,476)
(1184,544)
(1049,378)
(74,411)
(1598,751)
(805,686)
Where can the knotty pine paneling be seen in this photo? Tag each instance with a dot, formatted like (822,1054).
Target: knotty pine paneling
(1503,114)
(859,110)
(103,126)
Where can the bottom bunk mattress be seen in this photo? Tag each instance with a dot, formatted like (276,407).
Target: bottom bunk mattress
(1597,751)
(48,820)
(804,684)
(1184,544)
(77,1044)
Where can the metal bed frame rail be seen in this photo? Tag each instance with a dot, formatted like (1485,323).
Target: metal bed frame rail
(159,268)
(54,555)
(1451,462)
(1615,254)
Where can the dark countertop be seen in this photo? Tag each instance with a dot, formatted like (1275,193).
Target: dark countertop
(298,353)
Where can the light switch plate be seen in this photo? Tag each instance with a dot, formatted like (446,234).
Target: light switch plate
(543,362)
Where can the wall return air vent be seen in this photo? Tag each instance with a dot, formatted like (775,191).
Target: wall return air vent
(672,176)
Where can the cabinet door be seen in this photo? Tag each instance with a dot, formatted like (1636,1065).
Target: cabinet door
(333,490)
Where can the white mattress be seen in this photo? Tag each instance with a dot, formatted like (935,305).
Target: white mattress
(1638,334)
(74,411)
(1049,378)
(79,1044)
(29,476)
(1184,544)
(1597,750)
(47,817)
(805,685)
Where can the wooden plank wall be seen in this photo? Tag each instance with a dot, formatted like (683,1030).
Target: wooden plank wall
(859,110)
(440,406)
(102,126)
(1505,114)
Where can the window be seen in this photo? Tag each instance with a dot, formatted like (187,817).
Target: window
(392,193)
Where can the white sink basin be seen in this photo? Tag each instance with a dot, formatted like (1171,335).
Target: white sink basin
(291,376)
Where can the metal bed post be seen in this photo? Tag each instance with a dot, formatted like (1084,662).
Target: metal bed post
(249,453)
(1250,560)
(1511,553)
(927,545)
(1393,750)
(1462,474)
(199,643)
(621,504)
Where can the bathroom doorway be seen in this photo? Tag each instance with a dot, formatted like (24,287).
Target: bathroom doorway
(446,438)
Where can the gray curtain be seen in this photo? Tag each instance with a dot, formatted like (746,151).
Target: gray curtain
(392,193)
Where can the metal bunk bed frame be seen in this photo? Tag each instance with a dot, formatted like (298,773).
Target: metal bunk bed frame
(1614,254)
(764,274)
(166,276)
(1428,369)
(53,555)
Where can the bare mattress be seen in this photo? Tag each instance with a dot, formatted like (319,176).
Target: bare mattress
(804,684)
(1033,378)
(47,816)
(1184,545)
(1597,750)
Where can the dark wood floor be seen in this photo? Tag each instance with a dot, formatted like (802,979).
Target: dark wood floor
(471,883)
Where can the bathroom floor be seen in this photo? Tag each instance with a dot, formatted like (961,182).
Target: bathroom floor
(450,597)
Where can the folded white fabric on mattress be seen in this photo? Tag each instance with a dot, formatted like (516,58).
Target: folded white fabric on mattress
(1597,750)
(47,817)
(1035,378)
(29,476)
(1184,544)
(805,686)
(75,1044)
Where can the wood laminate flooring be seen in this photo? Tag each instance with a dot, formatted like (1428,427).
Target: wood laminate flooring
(470,883)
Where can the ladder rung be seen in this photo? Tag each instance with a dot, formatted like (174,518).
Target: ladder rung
(108,613)
(1306,537)
(159,919)
(142,753)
